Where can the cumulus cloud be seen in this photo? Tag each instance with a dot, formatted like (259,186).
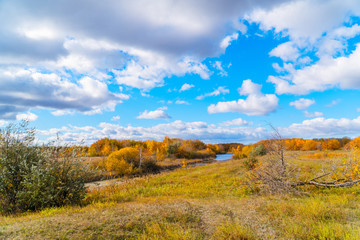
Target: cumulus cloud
(186,87)
(235,122)
(314,28)
(216,92)
(305,19)
(156,114)
(256,103)
(302,103)
(62,112)
(29,116)
(22,89)
(286,51)
(177,129)
(228,39)
(317,127)
(323,127)
(342,72)
(312,114)
(115,118)
(228,131)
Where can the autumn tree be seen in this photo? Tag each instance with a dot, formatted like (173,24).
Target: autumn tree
(331,144)
(310,145)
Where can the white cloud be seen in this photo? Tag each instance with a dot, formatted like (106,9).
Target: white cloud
(313,114)
(313,27)
(216,92)
(286,51)
(305,19)
(177,129)
(322,127)
(153,68)
(27,89)
(317,127)
(234,122)
(228,39)
(219,67)
(181,102)
(156,114)
(186,87)
(346,32)
(302,103)
(115,118)
(256,103)
(145,94)
(342,72)
(29,116)
(62,112)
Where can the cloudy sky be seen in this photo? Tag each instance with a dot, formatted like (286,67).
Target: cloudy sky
(218,70)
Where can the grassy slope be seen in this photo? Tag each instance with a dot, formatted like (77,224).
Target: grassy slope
(207,202)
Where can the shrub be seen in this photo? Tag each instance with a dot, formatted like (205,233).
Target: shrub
(123,161)
(258,151)
(34,177)
(149,166)
(250,162)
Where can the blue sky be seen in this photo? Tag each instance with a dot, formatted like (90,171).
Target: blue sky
(219,71)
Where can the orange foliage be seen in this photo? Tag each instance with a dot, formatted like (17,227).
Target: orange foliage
(310,145)
(104,147)
(331,144)
(355,143)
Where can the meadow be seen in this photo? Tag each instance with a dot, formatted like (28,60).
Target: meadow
(213,201)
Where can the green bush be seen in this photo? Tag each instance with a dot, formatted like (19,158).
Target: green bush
(34,177)
(259,151)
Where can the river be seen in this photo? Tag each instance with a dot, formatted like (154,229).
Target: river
(223,157)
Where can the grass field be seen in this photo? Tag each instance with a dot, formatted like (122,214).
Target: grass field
(205,202)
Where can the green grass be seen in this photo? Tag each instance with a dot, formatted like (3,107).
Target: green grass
(207,202)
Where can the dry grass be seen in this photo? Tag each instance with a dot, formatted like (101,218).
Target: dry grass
(207,202)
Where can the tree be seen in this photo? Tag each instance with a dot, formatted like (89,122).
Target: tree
(331,144)
(310,145)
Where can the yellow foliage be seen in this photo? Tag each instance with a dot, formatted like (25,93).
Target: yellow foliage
(355,143)
(184,164)
(324,155)
(123,161)
(246,150)
(331,144)
(310,145)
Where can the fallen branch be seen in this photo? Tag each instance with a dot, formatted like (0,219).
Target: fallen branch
(329,184)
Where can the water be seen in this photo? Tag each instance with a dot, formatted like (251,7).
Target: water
(223,157)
